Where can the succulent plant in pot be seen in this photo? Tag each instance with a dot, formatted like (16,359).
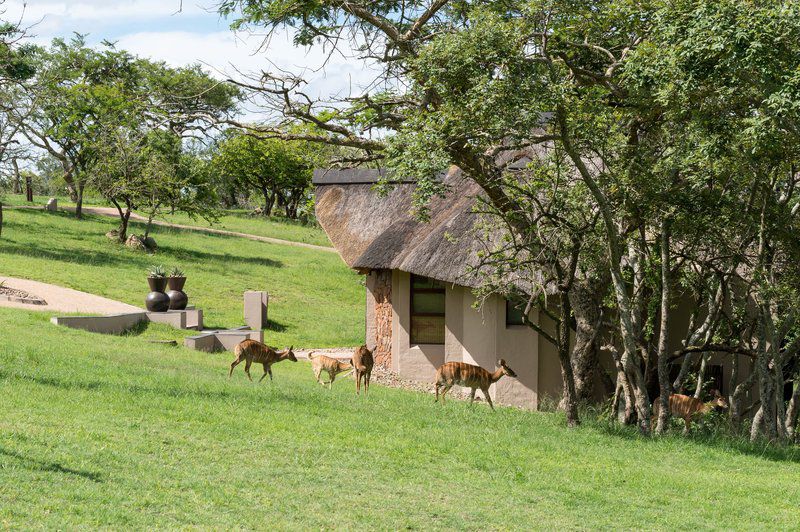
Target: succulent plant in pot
(157,300)
(177,298)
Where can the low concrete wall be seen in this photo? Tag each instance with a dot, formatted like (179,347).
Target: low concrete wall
(116,324)
(211,341)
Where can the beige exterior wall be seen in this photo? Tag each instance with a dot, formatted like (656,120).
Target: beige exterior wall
(475,336)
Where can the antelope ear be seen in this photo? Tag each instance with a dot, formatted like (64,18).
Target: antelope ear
(501,362)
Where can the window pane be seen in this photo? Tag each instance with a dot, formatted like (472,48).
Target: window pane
(428,303)
(514,314)
(427,329)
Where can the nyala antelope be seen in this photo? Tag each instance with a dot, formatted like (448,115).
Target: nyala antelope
(362,363)
(686,407)
(463,374)
(253,351)
(330,365)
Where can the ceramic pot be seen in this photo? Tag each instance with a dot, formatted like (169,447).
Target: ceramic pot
(157,300)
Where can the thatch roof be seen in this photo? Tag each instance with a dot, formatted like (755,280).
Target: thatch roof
(374,231)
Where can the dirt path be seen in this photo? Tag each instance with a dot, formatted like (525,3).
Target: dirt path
(60,299)
(112,212)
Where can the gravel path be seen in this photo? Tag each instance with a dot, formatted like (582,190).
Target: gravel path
(112,212)
(60,299)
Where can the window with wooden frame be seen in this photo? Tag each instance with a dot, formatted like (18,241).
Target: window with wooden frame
(514,314)
(427,310)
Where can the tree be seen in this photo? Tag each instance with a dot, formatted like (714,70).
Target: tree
(15,68)
(275,168)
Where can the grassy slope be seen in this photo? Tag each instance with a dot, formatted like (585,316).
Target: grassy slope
(315,300)
(107,431)
(233,220)
(241,222)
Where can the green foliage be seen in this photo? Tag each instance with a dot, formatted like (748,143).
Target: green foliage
(280,171)
(175,272)
(157,272)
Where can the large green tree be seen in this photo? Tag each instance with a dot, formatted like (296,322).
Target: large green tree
(678,120)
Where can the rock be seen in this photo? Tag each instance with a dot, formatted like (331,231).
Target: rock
(113,234)
(134,242)
(150,243)
(52,205)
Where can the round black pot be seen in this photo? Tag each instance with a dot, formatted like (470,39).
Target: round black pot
(157,300)
(177,298)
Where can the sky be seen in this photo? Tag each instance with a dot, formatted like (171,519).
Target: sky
(197,34)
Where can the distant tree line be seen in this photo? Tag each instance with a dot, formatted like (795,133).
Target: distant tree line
(140,134)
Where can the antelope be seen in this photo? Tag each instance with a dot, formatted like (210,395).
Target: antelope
(254,351)
(688,408)
(362,363)
(330,365)
(474,377)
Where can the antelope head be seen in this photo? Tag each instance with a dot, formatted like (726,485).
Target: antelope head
(288,354)
(506,370)
(719,401)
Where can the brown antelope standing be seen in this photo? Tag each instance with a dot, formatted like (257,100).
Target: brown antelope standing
(470,376)
(362,363)
(686,407)
(330,365)
(254,351)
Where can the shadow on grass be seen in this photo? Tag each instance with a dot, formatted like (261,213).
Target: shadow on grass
(722,442)
(83,258)
(43,465)
(136,389)
(276,326)
(204,256)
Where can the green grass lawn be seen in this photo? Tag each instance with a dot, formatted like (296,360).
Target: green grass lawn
(237,220)
(241,222)
(103,431)
(315,300)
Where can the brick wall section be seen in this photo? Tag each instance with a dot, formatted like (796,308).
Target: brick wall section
(379,335)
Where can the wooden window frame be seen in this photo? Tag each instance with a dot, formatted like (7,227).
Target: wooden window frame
(413,314)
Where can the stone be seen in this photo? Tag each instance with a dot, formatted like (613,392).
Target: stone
(113,234)
(134,242)
(52,205)
(150,243)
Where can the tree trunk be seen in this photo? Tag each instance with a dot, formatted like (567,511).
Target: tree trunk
(585,300)
(791,412)
(701,374)
(740,391)
(269,201)
(17,177)
(79,203)
(124,218)
(1,218)
(28,188)
(570,403)
(663,336)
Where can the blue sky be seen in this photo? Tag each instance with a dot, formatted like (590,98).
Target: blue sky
(152,28)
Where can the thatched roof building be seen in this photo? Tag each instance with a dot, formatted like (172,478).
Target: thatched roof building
(373,231)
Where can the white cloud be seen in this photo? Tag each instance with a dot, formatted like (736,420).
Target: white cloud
(226,54)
